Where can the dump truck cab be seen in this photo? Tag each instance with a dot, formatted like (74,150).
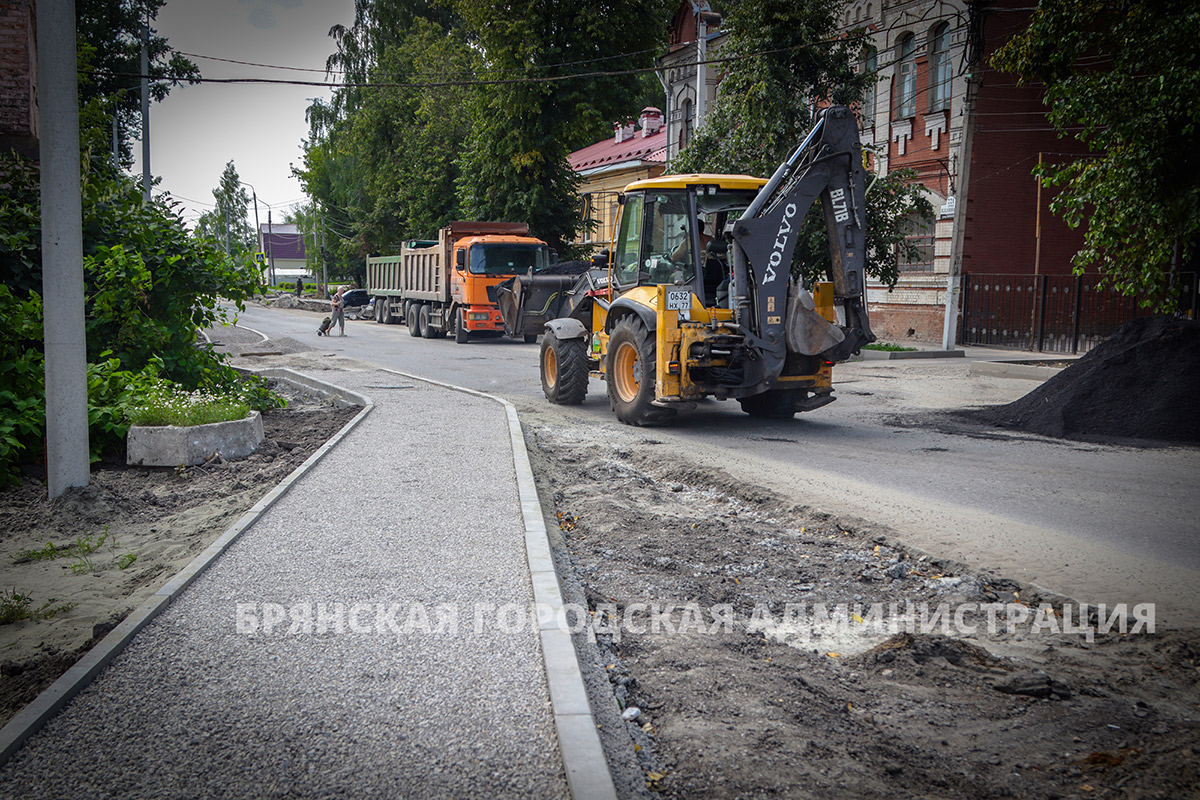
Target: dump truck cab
(481,262)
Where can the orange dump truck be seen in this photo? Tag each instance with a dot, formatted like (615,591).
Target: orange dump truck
(449,286)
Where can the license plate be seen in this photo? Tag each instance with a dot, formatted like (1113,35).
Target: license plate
(679,300)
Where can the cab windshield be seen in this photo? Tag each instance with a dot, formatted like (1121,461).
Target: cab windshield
(506,259)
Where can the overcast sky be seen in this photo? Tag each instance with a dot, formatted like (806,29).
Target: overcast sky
(197,129)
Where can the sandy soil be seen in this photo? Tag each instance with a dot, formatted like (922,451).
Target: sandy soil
(122,537)
(803,710)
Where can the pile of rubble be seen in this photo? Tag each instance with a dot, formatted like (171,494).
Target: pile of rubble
(1140,383)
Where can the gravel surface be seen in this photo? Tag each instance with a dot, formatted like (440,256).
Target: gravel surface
(194,708)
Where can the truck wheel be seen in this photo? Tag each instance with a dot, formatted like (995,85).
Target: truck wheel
(385,313)
(772,404)
(414,321)
(564,370)
(379,304)
(427,330)
(530,338)
(631,372)
(461,334)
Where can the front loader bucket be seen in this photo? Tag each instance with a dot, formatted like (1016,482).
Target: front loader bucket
(528,302)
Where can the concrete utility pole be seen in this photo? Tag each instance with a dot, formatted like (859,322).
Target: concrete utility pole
(146,112)
(270,247)
(701,71)
(116,144)
(321,251)
(62,250)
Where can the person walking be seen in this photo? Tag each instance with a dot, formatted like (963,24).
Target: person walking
(337,316)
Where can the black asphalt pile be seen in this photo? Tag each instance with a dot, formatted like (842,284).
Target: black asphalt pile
(1140,383)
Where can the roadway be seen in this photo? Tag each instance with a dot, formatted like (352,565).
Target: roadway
(1099,523)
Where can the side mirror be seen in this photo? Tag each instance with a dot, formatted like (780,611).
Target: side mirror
(460,258)
(553,256)
(600,260)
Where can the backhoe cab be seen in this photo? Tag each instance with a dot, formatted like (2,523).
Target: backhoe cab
(698,301)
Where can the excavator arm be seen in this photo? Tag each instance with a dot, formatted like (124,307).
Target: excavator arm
(773,314)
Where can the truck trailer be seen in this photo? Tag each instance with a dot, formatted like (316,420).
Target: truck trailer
(449,285)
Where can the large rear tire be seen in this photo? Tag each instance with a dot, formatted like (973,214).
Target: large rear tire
(423,322)
(412,316)
(564,370)
(631,372)
(772,404)
(384,310)
(461,334)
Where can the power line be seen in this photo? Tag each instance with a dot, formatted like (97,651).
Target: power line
(328,71)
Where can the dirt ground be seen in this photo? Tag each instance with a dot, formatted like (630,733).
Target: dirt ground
(123,536)
(805,710)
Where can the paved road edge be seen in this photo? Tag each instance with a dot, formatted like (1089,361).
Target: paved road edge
(30,719)
(583,755)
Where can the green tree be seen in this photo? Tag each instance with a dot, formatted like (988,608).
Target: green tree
(109,33)
(229,222)
(1123,78)
(785,54)
(515,166)
(380,161)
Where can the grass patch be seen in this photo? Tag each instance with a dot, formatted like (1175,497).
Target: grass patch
(83,546)
(16,606)
(887,347)
(186,408)
(80,552)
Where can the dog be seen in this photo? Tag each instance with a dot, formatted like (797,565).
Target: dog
(324,329)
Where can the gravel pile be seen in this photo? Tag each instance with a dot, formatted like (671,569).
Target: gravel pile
(1140,383)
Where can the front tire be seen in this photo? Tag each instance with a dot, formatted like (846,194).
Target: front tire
(461,334)
(631,372)
(564,370)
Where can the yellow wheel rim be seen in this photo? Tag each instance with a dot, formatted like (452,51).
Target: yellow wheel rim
(550,368)
(625,377)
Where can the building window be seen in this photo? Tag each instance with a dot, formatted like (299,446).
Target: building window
(688,113)
(939,68)
(589,223)
(915,253)
(870,67)
(906,90)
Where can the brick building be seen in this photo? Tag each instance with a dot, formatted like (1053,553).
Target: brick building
(18,78)
(972,136)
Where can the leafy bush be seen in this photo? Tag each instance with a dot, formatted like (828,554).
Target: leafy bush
(149,286)
(22,378)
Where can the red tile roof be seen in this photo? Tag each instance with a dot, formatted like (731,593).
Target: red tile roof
(650,148)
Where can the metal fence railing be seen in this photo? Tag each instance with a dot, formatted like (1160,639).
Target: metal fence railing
(1050,313)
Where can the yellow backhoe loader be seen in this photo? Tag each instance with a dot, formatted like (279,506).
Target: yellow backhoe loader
(676,315)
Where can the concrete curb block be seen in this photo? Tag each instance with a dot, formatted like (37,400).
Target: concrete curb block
(343,396)
(899,355)
(583,756)
(265,338)
(30,719)
(1007,369)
